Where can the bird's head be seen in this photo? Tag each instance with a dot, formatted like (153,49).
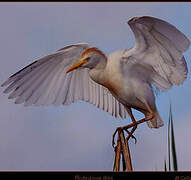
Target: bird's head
(90,58)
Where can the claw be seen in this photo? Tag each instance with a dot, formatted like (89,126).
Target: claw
(113,139)
(113,143)
(134,138)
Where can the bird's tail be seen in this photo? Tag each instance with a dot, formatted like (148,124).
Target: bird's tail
(156,122)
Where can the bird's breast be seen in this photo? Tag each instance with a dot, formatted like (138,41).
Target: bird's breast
(114,82)
(113,78)
(112,87)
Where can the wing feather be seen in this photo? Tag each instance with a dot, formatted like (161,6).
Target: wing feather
(97,96)
(42,80)
(101,89)
(116,107)
(20,79)
(27,80)
(93,93)
(64,90)
(86,89)
(113,107)
(110,104)
(70,96)
(106,101)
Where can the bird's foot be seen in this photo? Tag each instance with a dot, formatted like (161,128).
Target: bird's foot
(130,133)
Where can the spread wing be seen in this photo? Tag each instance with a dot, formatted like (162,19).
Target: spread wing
(158,52)
(45,82)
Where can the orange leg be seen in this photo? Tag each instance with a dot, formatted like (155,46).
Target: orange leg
(130,134)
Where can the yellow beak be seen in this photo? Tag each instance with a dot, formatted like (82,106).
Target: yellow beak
(77,65)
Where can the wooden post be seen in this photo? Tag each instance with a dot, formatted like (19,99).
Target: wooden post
(126,152)
(117,155)
(122,148)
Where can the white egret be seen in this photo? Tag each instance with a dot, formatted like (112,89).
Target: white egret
(117,83)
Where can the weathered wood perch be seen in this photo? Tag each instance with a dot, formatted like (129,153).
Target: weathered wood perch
(122,149)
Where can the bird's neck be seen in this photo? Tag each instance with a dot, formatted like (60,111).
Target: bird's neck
(97,73)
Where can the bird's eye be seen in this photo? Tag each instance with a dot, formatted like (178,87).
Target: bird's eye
(88,58)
